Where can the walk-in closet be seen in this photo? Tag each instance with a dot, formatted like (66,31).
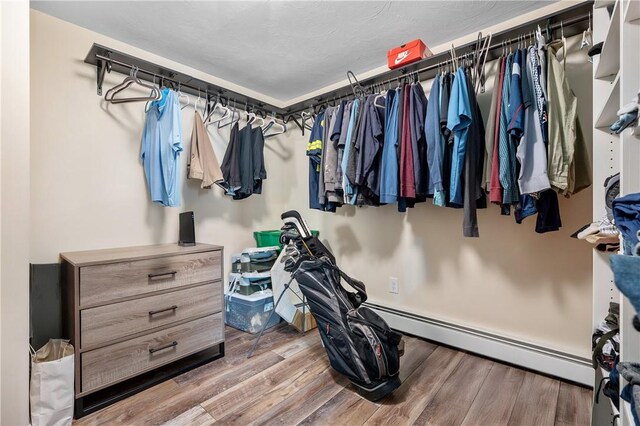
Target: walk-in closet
(320,213)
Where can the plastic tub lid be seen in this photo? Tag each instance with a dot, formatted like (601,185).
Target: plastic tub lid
(256,275)
(258,295)
(258,250)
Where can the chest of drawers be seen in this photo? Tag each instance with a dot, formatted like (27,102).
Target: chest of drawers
(139,315)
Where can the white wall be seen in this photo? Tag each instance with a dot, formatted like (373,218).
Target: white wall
(88,186)
(14,217)
(88,191)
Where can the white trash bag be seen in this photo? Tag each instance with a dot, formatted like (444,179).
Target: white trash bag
(51,388)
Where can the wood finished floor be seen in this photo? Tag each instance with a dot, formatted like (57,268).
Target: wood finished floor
(288,381)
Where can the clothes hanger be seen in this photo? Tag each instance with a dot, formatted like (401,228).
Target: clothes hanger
(274,122)
(147,105)
(454,58)
(564,47)
(182,96)
(210,109)
(255,118)
(269,123)
(126,83)
(356,87)
(307,115)
(226,112)
(195,104)
(481,60)
(586,35)
(235,117)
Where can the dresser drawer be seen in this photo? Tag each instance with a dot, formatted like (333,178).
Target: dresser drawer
(107,323)
(104,283)
(126,359)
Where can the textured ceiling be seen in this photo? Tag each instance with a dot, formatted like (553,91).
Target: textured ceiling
(282,49)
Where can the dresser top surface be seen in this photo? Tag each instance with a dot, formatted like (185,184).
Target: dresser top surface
(123,254)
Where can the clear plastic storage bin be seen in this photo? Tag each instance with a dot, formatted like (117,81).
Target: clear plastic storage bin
(250,313)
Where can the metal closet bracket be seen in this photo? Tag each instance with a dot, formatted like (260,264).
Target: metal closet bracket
(102,66)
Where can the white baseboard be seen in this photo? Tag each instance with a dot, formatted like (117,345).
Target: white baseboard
(548,361)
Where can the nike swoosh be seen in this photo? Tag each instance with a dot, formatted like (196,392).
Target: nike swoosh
(401,56)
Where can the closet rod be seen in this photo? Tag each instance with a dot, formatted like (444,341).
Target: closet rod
(106,59)
(573,20)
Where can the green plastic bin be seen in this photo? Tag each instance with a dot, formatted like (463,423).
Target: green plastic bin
(272,238)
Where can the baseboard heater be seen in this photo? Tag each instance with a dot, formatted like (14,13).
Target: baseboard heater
(523,354)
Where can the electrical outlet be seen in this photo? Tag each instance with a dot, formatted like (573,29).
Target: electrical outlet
(393,285)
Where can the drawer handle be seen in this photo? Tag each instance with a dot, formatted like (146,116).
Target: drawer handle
(171,308)
(170,345)
(163,274)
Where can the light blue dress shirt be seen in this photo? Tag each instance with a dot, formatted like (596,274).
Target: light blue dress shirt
(161,147)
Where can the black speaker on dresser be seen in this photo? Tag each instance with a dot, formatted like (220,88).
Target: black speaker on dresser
(187,229)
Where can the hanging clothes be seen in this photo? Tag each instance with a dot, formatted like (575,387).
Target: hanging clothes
(418,108)
(202,164)
(407,176)
(370,147)
(243,168)
(246,163)
(380,111)
(435,144)
(314,150)
(160,148)
(231,179)
(360,145)
(490,133)
(402,201)
(389,161)
(346,118)
(445,95)
(532,151)
(354,154)
(333,188)
(402,146)
(458,122)
(470,184)
(508,183)
(349,191)
(548,208)
(496,191)
(329,119)
(259,170)
(569,164)
(519,88)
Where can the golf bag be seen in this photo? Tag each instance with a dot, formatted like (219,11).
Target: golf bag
(358,341)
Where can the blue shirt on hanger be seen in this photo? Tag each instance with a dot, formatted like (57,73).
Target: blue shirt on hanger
(161,147)
(458,121)
(389,161)
(350,192)
(434,139)
(506,146)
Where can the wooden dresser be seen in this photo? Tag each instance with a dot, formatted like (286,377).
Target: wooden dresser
(139,315)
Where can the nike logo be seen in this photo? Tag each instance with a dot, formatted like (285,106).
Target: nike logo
(402,56)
